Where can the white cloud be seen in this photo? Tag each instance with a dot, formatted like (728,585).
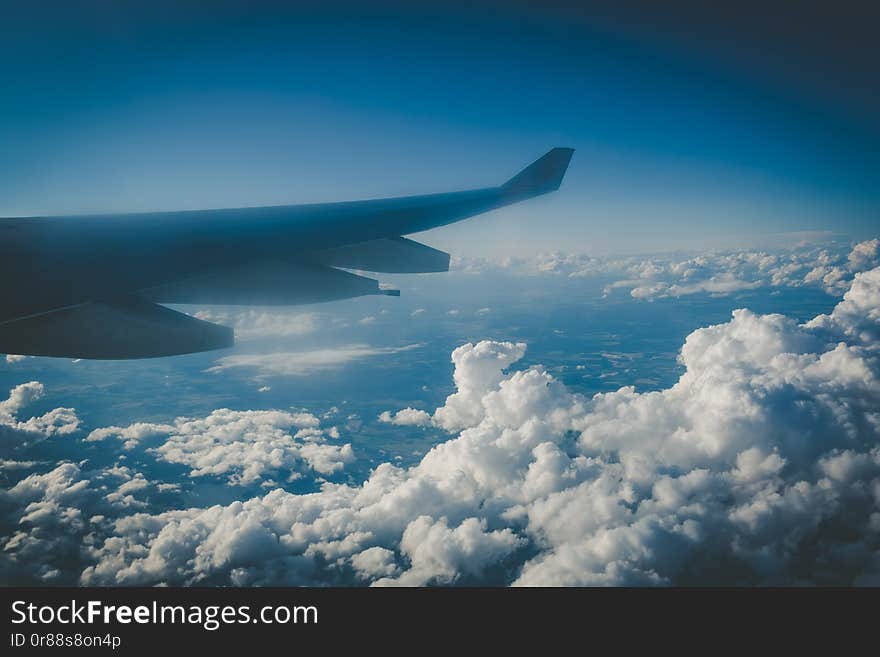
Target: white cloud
(133,483)
(440,554)
(723,283)
(406,417)
(241,446)
(11,464)
(858,315)
(760,465)
(477,368)
(49,522)
(729,272)
(302,363)
(829,266)
(253,323)
(14,358)
(58,421)
(865,255)
(375,563)
(50,518)
(21,395)
(132,435)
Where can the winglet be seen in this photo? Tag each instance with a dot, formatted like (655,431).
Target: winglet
(541,176)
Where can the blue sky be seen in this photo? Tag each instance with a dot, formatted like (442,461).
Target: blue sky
(680,143)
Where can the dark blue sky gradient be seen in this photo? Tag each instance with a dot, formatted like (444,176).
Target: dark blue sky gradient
(690,128)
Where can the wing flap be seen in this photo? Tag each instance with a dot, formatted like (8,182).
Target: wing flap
(267,284)
(127,328)
(396,255)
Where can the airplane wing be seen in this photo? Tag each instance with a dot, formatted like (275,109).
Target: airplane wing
(90,286)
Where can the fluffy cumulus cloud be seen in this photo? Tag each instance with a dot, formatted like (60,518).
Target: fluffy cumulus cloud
(857,317)
(132,435)
(407,417)
(760,465)
(830,267)
(58,421)
(241,446)
(58,513)
(49,522)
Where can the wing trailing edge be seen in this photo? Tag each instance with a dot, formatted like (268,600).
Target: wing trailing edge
(273,283)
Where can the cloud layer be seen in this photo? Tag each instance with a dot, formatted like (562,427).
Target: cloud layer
(830,267)
(760,465)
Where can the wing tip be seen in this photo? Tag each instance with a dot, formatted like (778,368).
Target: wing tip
(543,175)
